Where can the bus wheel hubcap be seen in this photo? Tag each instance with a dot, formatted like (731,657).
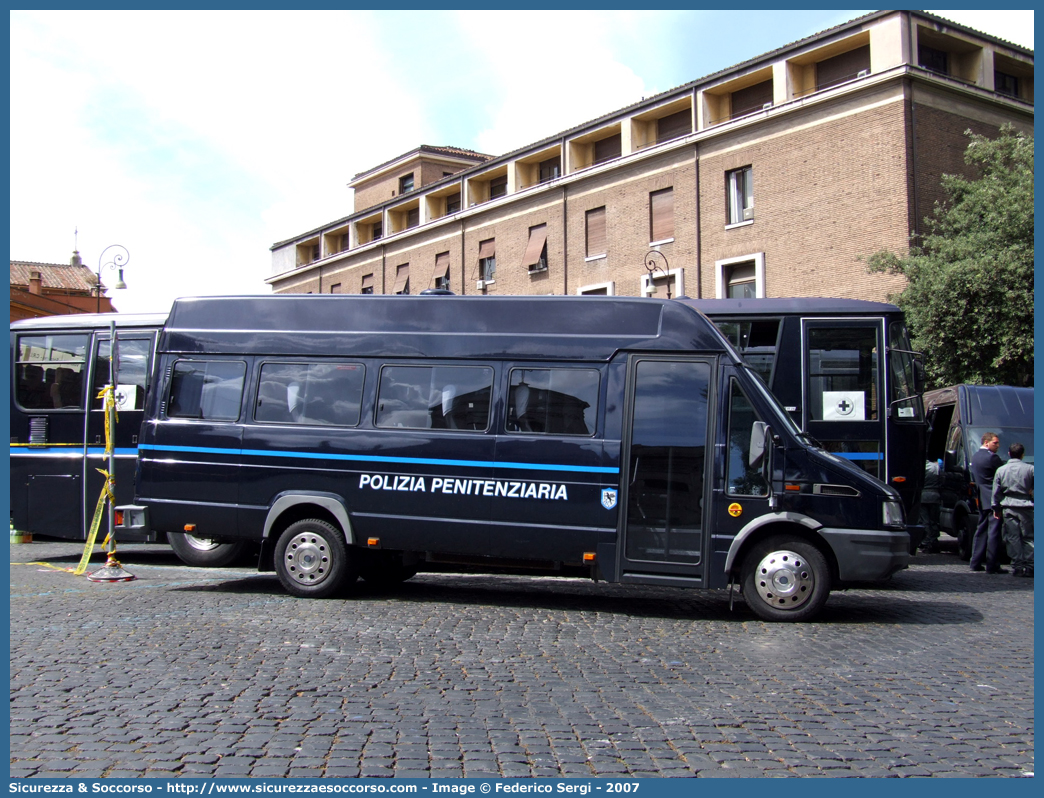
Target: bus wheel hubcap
(784,579)
(308,559)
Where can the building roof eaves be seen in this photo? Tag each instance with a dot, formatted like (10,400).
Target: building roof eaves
(453,152)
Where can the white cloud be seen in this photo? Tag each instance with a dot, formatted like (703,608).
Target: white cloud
(556,70)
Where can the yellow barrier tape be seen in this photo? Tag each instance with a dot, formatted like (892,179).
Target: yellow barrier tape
(88,549)
(108,397)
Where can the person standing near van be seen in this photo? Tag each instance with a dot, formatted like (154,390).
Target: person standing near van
(1013,501)
(931,505)
(986,543)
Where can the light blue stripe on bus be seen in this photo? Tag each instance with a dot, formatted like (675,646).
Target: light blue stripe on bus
(378,459)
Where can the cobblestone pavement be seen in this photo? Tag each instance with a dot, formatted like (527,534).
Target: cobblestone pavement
(198,673)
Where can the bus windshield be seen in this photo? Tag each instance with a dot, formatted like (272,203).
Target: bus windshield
(782,416)
(904,395)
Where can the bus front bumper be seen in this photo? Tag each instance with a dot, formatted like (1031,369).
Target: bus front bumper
(868,555)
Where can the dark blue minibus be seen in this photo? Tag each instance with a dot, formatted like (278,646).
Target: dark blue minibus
(620,439)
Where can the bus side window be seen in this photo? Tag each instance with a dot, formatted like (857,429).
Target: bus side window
(553,401)
(322,394)
(435,397)
(132,371)
(49,371)
(206,390)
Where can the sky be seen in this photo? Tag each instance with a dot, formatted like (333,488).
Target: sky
(198,139)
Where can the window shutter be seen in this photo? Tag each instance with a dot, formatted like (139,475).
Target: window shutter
(596,242)
(367,281)
(537,239)
(661,212)
(673,126)
(752,98)
(487,248)
(608,148)
(847,66)
(402,278)
(442,264)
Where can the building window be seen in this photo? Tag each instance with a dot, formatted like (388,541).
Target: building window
(739,282)
(598,289)
(608,149)
(412,217)
(550,169)
(535,257)
(402,279)
(740,278)
(488,260)
(335,288)
(595,224)
(1006,84)
(406,183)
(442,266)
(661,215)
(345,242)
(453,203)
(934,60)
(842,68)
(739,185)
(376,231)
(316,252)
(673,126)
(367,284)
(751,99)
(498,187)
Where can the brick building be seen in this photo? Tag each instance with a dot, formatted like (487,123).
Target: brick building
(55,289)
(774,177)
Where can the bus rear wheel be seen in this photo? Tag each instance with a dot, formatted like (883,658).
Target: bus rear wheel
(312,560)
(785,579)
(204,552)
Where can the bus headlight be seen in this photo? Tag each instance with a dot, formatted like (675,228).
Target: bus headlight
(892,514)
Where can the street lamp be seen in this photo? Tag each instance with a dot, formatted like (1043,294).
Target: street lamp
(115,261)
(653,267)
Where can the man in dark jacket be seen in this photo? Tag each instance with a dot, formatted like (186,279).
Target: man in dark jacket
(987,540)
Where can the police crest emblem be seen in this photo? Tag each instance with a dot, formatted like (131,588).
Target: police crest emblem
(608,498)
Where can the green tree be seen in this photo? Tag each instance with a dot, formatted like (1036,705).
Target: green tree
(969,294)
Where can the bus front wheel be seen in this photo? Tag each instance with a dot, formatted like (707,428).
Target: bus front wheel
(312,560)
(785,579)
(204,552)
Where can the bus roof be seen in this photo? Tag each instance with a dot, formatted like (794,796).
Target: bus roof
(523,327)
(78,321)
(792,306)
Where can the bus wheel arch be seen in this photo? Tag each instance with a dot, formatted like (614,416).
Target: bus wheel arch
(291,506)
(785,572)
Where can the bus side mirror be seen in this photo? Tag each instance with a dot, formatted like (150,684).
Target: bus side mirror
(759,435)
